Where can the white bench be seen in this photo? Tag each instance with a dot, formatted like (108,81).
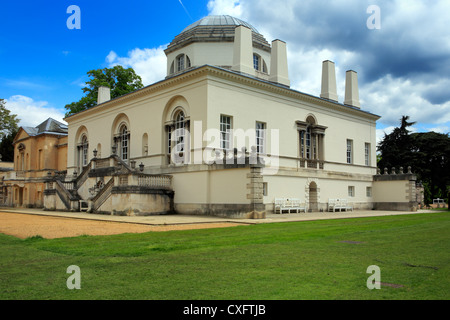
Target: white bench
(289,205)
(339,205)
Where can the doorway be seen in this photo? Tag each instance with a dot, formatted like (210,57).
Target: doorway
(313,199)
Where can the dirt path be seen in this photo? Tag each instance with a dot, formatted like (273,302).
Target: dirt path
(28,225)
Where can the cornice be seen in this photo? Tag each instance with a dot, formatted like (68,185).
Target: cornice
(236,77)
(288,92)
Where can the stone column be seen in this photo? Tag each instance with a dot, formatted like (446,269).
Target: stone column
(255,192)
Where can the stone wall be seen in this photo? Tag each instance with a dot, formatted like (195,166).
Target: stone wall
(395,190)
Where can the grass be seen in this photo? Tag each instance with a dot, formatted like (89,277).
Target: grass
(317,260)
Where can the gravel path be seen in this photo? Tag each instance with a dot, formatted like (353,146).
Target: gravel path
(28,225)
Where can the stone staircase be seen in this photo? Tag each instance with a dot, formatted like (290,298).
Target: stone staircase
(110,186)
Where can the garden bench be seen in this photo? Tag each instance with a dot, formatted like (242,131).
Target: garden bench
(289,204)
(339,205)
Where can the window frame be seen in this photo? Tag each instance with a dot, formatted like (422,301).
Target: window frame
(349,151)
(351,191)
(369,192)
(367,154)
(124,143)
(260,136)
(225,132)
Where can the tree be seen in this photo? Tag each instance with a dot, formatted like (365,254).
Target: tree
(8,122)
(7,148)
(120,80)
(428,154)
(431,160)
(396,147)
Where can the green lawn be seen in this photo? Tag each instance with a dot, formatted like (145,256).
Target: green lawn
(324,259)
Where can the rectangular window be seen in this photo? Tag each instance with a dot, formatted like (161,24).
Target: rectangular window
(349,151)
(351,191)
(265,190)
(180,63)
(255,62)
(367,153)
(260,137)
(225,132)
(302,144)
(169,140)
(369,191)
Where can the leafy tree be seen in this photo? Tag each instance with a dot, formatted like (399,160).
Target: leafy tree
(7,148)
(431,160)
(120,80)
(8,122)
(428,154)
(396,147)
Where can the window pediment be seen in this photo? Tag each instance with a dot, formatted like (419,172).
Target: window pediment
(315,128)
(21,147)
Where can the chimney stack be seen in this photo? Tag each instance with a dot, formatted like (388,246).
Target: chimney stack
(104,94)
(329,90)
(243,50)
(351,89)
(278,63)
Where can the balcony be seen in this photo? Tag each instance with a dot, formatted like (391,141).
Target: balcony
(312,163)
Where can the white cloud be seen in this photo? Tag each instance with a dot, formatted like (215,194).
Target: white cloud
(394,97)
(227,7)
(31,113)
(403,68)
(441,129)
(150,64)
(382,132)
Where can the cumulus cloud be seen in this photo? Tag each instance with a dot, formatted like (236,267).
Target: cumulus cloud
(149,63)
(30,112)
(228,7)
(403,68)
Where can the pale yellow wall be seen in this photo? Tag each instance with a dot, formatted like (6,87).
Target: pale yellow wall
(191,187)
(391,191)
(251,105)
(41,152)
(229,186)
(146,115)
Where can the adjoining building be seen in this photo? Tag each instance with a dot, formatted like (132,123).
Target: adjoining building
(38,151)
(223,134)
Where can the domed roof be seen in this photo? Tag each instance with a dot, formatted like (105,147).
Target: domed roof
(214,29)
(222,20)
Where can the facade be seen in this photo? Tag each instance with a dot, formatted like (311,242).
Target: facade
(222,134)
(37,152)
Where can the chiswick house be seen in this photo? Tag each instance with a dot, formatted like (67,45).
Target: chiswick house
(224,134)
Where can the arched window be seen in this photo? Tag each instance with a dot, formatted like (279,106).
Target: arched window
(84,152)
(21,162)
(179,132)
(259,64)
(124,142)
(256,62)
(182,62)
(176,138)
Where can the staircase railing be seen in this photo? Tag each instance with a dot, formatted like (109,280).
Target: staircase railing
(102,195)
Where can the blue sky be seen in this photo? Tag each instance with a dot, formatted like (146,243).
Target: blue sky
(403,67)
